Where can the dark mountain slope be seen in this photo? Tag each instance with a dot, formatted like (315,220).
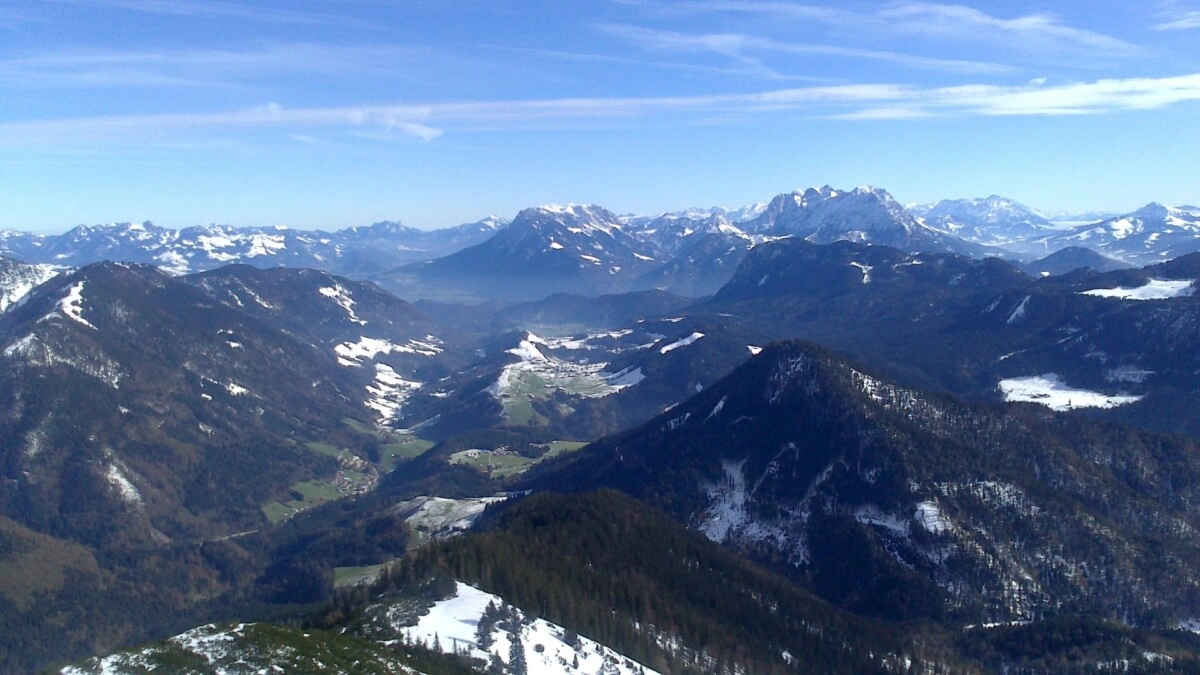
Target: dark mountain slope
(940,321)
(897,503)
(624,574)
(349,319)
(1070,259)
(135,395)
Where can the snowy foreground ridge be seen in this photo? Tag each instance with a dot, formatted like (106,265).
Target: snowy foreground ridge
(1053,393)
(452,625)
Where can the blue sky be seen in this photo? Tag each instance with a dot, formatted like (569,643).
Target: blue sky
(346,112)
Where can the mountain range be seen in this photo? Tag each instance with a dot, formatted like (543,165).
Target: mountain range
(863,444)
(589,250)
(357,250)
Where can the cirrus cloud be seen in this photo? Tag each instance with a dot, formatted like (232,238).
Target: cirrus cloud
(428,122)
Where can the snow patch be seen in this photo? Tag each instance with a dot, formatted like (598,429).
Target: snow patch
(866,271)
(930,517)
(869,514)
(1153,289)
(173,263)
(717,408)
(1127,374)
(14,286)
(265,244)
(683,342)
(72,305)
(1053,393)
(452,624)
(626,377)
(125,487)
(726,512)
(342,297)
(441,517)
(388,392)
(1019,312)
(355,353)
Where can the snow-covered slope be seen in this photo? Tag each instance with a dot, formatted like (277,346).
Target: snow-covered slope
(864,214)
(990,221)
(17,279)
(1153,233)
(509,634)
(358,250)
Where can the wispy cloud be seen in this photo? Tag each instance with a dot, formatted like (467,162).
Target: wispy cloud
(1041,30)
(1177,16)
(1027,33)
(202,67)
(735,69)
(427,122)
(738,46)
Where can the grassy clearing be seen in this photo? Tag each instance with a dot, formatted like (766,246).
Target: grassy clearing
(409,448)
(562,447)
(494,464)
(353,576)
(359,426)
(323,448)
(500,464)
(310,493)
(352,478)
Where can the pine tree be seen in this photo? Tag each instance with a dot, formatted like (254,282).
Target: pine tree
(516,656)
(483,630)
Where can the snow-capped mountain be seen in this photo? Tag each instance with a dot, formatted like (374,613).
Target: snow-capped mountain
(546,249)
(590,251)
(703,265)
(17,279)
(672,232)
(991,221)
(864,214)
(1153,233)
(359,250)
(22,245)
